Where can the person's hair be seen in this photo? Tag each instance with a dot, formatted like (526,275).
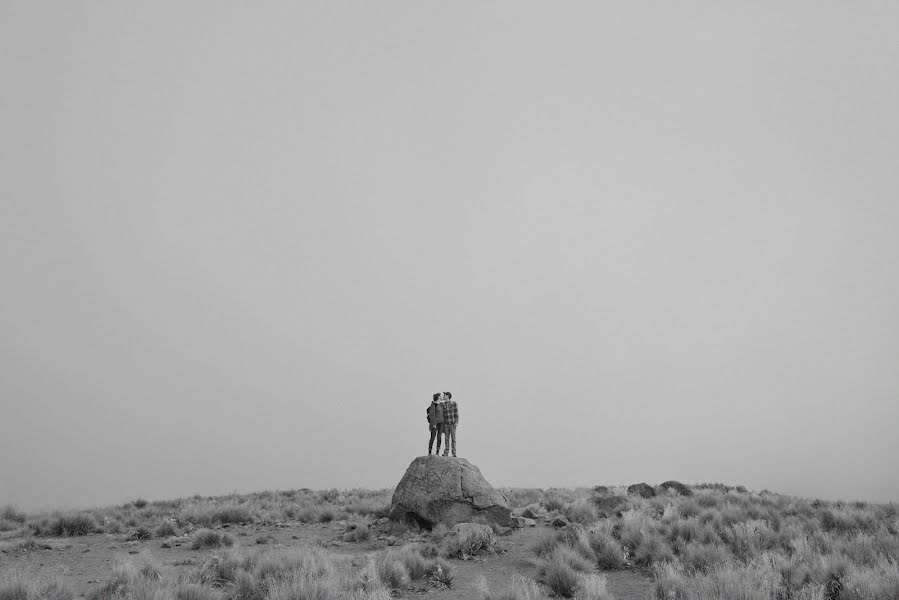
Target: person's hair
(448,395)
(436,396)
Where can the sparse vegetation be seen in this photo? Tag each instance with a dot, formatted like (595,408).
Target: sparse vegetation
(206,538)
(470,542)
(711,541)
(717,541)
(18,587)
(64,525)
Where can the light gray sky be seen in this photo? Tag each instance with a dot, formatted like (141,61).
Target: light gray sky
(241,245)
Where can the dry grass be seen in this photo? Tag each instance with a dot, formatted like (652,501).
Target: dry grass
(717,541)
(186,514)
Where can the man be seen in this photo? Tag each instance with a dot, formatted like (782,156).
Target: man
(450,420)
(435,422)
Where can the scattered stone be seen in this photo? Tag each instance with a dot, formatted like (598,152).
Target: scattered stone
(677,486)
(447,491)
(529,513)
(644,490)
(559,522)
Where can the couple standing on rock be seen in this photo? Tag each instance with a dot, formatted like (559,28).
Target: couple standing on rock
(443,416)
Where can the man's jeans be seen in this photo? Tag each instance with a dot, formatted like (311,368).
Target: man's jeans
(450,429)
(435,431)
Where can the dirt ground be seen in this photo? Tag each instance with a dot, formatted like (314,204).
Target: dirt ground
(84,563)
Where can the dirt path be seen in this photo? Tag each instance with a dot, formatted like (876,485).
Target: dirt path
(84,563)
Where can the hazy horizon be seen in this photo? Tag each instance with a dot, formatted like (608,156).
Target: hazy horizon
(241,246)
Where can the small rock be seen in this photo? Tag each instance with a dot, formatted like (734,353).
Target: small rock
(559,522)
(500,530)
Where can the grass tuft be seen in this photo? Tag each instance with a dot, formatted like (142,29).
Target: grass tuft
(206,538)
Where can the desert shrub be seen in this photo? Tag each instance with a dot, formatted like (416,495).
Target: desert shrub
(230,514)
(697,556)
(417,565)
(17,587)
(594,587)
(609,553)
(166,529)
(756,581)
(558,575)
(392,572)
(65,525)
(429,549)
(443,573)
(326,515)
(545,545)
(553,502)
(572,558)
(468,543)
(360,533)
(519,497)
(708,499)
(206,538)
(688,508)
(651,550)
(520,588)
(581,511)
(307,514)
(113,526)
(11,513)
(874,582)
(141,533)
(209,516)
(139,503)
(749,539)
(373,507)
(26,545)
(609,505)
(7,525)
(193,591)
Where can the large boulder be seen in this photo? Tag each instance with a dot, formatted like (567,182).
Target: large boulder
(644,490)
(677,486)
(449,491)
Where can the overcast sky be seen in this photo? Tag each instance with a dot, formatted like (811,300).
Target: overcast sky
(242,245)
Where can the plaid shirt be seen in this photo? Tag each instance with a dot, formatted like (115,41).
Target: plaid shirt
(450,412)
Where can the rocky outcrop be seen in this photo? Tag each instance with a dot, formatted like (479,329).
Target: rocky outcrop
(449,491)
(644,490)
(677,486)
